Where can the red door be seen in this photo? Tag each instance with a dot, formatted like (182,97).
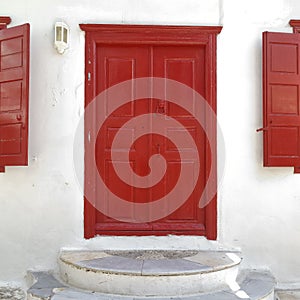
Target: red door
(110,60)
(185,64)
(116,64)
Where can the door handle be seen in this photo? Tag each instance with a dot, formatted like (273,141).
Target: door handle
(262,129)
(19,118)
(160,107)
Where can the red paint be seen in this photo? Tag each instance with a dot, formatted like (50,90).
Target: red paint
(281,103)
(183,53)
(14,82)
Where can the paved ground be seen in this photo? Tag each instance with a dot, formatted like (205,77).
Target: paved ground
(288,295)
(8,293)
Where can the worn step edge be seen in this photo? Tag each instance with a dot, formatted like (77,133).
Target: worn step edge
(256,286)
(169,242)
(112,274)
(198,263)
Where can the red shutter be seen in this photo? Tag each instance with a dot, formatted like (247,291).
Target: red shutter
(14,88)
(281,88)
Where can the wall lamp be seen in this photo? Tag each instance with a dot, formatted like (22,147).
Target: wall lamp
(61,37)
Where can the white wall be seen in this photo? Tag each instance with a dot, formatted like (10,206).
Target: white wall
(259,207)
(41,205)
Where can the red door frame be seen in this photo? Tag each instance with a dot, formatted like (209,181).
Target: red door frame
(154,35)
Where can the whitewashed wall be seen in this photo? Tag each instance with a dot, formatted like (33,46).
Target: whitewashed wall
(41,206)
(259,207)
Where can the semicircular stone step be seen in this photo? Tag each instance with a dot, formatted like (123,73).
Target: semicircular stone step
(149,273)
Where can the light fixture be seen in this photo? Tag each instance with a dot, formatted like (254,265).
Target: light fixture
(61,37)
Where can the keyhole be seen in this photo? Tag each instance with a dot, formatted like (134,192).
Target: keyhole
(158,148)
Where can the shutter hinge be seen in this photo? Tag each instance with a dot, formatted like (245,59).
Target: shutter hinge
(89,76)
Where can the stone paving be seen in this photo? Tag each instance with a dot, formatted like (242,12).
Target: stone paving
(288,295)
(9,293)
(255,286)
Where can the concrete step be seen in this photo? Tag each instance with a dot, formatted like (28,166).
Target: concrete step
(254,285)
(288,295)
(150,273)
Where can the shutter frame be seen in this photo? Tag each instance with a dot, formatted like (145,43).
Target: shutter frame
(14,95)
(281,90)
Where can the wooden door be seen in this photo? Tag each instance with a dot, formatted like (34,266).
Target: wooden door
(185,64)
(115,54)
(116,64)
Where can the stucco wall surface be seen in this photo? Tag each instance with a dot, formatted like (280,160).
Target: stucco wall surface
(41,206)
